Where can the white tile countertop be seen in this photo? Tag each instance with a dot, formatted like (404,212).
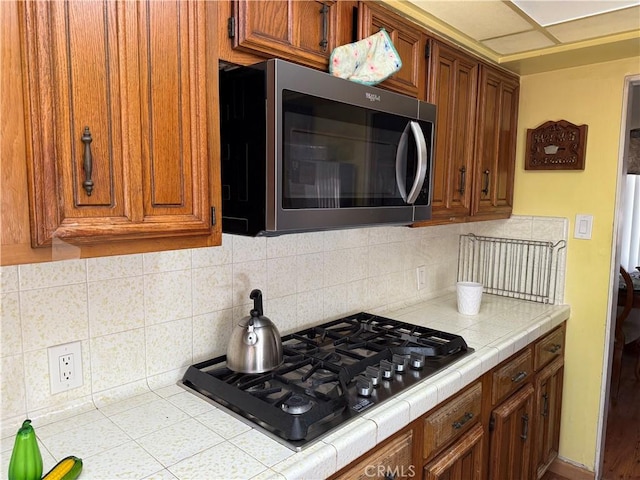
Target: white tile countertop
(170,433)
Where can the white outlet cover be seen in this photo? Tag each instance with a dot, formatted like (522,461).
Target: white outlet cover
(58,384)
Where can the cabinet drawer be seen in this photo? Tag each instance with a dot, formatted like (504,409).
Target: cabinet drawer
(510,376)
(548,348)
(394,460)
(452,419)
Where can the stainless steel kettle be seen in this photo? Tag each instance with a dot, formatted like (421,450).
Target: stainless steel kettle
(255,345)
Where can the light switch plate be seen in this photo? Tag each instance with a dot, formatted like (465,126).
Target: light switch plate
(583,227)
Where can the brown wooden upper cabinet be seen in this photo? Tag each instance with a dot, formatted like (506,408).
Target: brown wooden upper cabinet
(453,87)
(116,106)
(495,144)
(302,31)
(409,40)
(474,157)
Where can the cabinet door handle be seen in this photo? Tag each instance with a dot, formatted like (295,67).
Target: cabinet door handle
(87,161)
(325,27)
(465,418)
(518,377)
(463,180)
(545,404)
(525,427)
(485,190)
(554,348)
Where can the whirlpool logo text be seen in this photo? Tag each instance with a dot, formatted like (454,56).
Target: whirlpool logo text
(372,96)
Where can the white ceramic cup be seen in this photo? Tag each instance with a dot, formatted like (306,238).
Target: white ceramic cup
(469,297)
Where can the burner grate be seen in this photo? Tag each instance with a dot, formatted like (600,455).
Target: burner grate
(319,385)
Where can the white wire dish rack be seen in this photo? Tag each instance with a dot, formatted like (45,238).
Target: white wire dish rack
(523,269)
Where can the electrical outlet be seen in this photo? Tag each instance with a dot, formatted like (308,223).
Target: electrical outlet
(421,277)
(65,367)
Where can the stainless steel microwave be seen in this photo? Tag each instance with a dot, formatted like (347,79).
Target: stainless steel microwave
(303,150)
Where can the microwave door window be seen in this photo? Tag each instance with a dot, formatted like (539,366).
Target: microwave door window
(337,155)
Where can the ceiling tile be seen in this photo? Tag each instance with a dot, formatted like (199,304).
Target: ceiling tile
(548,13)
(479,20)
(598,26)
(520,42)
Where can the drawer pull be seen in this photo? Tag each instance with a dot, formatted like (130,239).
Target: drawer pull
(518,377)
(525,427)
(554,348)
(465,418)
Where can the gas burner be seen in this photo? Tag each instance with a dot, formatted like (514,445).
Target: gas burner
(260,387)
(296,405)
(330,374)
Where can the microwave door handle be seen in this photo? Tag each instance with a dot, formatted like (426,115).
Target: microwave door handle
(401,162)
(421,143)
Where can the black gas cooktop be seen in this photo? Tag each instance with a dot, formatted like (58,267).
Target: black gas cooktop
(331,373)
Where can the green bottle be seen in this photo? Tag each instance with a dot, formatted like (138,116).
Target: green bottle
(26,460)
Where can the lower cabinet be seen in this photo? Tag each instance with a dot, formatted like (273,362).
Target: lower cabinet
(547,407)
(463,461)
(450,420)
(510,441)
(393,460)
(503,426)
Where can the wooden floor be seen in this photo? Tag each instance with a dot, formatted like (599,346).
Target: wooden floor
(622,444)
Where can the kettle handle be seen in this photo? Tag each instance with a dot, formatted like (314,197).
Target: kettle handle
(256,296)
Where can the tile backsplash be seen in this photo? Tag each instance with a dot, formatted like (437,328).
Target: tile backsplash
(142,319)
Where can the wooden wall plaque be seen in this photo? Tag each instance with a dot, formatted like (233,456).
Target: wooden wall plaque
(556,146)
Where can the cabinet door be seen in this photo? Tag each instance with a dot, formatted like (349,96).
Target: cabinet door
(495,143)
(74,64)
(393,460)
(463,461)
(173,105)
(409,41)
(453,89)
(546,428)
(510,441)
(298,30)
(116,120)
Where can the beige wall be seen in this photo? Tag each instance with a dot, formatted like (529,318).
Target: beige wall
(591,95)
